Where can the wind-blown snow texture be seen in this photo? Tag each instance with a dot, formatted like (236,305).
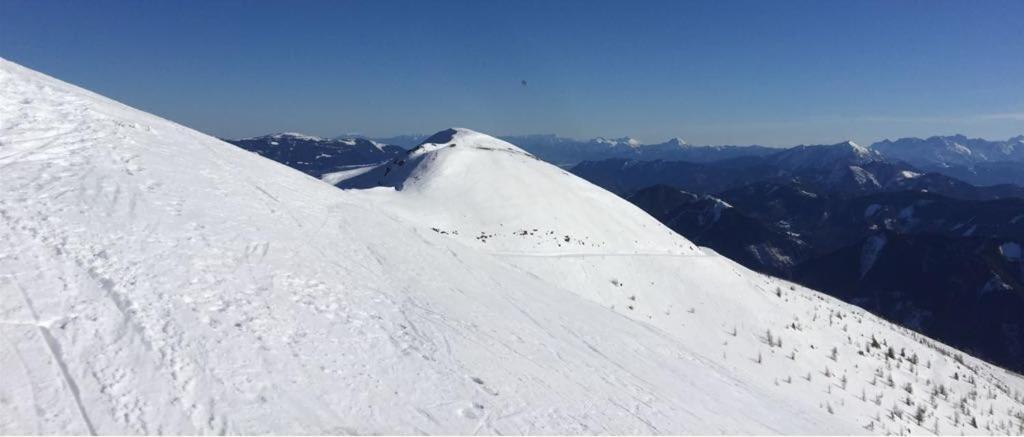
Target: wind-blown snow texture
(157,280)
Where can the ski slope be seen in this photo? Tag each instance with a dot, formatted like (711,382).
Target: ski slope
(157,280)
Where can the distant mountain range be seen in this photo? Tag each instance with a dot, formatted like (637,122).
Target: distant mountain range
(567,152)
(844,168)
(317,156)
(973,160)
(955,150)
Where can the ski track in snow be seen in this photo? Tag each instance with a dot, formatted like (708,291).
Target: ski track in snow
(157,280)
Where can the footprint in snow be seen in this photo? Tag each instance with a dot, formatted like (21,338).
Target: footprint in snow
(471,413)
(483,387)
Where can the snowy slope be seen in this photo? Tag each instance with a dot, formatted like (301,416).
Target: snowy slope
(723,312)
(157,280)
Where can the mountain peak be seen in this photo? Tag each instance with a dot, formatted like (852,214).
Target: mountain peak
(629,141)
(476,184)
(676,141)
(857,149)
(462,137)
(822,156)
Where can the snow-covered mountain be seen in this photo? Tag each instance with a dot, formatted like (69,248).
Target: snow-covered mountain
(975,160)
(158,280)
(317,156)
(492,194)
(824,156)
(842,168)
(679,292)
(949,151)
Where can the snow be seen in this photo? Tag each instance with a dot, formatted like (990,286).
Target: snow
(907,174)
(863,177)
(494,195)
(678,142)
(617,142)
(716,209)
(769,255)
(825,156)
(352,142)
(961,149)
(949,151)
(157,280)
(858,149)
(348,173)
(1011,251)
(806,193)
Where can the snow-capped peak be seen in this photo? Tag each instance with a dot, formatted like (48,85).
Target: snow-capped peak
(676,141)
(857,149)
(458,171)
(379,146)
(466,138)
(854,150)
(822,156)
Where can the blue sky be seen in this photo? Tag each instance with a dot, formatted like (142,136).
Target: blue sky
(715,72)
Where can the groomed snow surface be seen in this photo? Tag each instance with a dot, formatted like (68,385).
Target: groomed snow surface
(157,280)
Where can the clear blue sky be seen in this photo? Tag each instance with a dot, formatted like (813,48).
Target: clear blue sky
(767,72)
